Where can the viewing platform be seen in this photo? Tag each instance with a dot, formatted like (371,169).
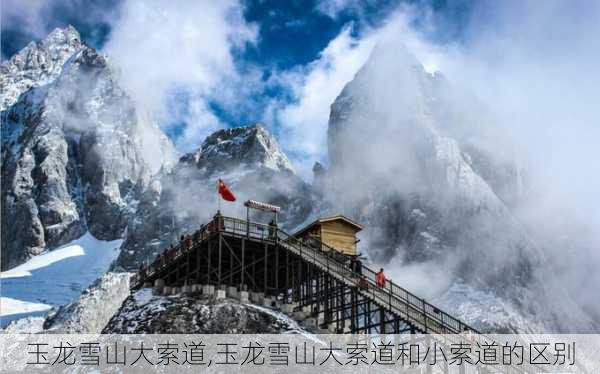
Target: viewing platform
(297,270)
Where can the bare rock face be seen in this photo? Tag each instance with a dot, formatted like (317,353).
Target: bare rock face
(73,148)
(143,313)
(89,313)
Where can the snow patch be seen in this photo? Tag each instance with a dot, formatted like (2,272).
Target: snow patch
(55,277)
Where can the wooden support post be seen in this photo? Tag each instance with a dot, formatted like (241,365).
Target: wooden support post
(340,306)
(287,275)
(277,269)
(254,269)
(266,268)
(243,263)
(353,311)
(369,321)
(208,262)
(300,281)
(220,258)
(318,296)
(198,257)
(189,267)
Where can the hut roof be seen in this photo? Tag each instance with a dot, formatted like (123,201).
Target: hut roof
(339,217)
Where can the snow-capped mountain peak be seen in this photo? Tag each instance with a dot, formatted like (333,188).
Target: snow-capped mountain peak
(249,146)
(37,64)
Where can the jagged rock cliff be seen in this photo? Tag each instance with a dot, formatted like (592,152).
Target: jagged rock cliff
(74,150)
(90,312)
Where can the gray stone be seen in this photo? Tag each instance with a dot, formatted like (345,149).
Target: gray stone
(232,292)
(299,316)
(311,323)
(243,297)
(208,290)
(220,295)
(257,297)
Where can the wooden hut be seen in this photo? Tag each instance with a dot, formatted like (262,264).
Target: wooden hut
(338,232)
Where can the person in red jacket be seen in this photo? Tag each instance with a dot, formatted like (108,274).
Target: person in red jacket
(380,278)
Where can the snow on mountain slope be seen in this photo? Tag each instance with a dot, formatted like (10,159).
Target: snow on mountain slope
(54,278)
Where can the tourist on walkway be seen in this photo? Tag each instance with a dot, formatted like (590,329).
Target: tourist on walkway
(272,229)
(380,278)
(356,265)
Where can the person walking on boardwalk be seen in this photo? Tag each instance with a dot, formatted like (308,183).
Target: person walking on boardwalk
(380,278)
(356,265)
(272,229)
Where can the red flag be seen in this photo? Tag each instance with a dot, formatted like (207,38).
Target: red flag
(224,191)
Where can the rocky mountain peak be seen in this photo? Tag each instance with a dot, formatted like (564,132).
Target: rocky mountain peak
(69,36)
(37,64)
(249,147)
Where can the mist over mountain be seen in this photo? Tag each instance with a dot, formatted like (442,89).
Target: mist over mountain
(443,192)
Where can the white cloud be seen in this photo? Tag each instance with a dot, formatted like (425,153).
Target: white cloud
(303,123)
(333,8)
(36,18)
(29,16)
(185,47)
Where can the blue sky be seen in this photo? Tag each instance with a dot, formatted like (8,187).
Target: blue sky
(198,66)
(281,23)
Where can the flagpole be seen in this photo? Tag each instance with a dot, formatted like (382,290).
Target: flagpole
(218,198)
